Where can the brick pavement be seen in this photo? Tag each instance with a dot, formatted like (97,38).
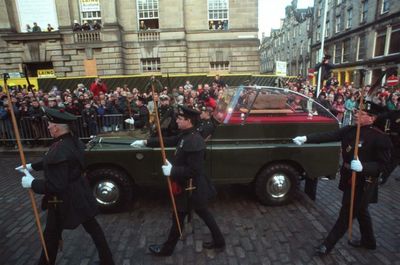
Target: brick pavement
(255,234)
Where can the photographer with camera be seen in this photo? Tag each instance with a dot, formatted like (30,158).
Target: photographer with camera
(98,86)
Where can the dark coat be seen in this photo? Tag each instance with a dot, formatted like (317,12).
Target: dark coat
(206,128)
(374,153)
(188,163)
(63,181)
(142,117)
(167,121)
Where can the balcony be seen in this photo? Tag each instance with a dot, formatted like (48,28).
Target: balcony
(91,36)
(149,35)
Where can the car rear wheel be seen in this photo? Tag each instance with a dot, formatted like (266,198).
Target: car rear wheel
(276,184)
(112,188)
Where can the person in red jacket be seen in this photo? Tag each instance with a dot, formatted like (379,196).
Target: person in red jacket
(98,86)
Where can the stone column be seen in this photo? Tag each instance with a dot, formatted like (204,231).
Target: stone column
(108,12)
(8,15)
(63,14)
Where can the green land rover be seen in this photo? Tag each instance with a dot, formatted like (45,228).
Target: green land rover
(251,144)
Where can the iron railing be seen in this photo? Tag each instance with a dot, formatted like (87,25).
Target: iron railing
(34,131)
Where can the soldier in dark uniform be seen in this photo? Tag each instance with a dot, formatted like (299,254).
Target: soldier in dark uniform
(167,118)
(206,125)
(68,198)
(187,171)
(389,122)
(373,158)
(142,117)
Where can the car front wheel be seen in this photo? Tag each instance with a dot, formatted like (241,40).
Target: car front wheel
(276,184)
(111,188)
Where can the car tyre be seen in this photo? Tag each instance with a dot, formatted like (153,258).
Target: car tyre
(276,184)
(112,188)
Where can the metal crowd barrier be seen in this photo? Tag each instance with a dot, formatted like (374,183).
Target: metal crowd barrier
(35,132)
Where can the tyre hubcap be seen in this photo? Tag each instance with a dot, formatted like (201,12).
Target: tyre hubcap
(106,192)
(278,186)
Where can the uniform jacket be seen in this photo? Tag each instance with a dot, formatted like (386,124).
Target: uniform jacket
(189,163)
(63,180)
(142,117)
(374,153)
(206,128)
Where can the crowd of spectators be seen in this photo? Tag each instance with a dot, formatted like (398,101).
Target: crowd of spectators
(342,100)
(86,25)
(101,109)
(104,109)
(37,28)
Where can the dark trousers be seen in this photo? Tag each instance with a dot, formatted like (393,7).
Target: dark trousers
(208,219)
(52,235)
(360,211)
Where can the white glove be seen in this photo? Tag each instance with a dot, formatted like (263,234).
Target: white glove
(130,121)
(166,169)
(356,165)
(27,166)
(26,180)
(299,140)
(138,143)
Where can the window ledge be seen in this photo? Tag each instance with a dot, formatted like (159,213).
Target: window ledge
(36,36)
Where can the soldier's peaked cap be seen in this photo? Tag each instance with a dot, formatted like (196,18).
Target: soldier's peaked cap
(187,112)
(372,108)
(59,116)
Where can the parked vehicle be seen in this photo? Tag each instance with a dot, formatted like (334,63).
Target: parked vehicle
(252,144)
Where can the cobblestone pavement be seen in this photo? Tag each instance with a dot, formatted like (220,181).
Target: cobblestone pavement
(255,234)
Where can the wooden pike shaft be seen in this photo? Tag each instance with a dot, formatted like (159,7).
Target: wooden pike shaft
(353,173)
(23,162)
(164,158)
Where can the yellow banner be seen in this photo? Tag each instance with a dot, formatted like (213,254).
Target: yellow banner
(12,82)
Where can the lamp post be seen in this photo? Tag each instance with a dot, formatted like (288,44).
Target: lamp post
(321,51)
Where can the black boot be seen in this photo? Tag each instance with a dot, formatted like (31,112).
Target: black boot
(359,244)
(214,245)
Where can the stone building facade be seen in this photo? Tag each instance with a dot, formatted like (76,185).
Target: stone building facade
(139,36)
(290,43)
(361,36)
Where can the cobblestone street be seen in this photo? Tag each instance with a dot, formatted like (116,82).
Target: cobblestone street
(255,234)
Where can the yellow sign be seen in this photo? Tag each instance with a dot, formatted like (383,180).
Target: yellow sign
(45,73)
(21,82)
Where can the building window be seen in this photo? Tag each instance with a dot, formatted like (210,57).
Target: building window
(394,46)
(90,11)
(364,11)
(385,6)
(338,53)
(319,10)
(338,24)
(327,29)
(338,2)
(318,33)
(148,14)
(218,14)
(361,47)
(219,66)
(349,18)
(380,43)
(346,50)
(150,64)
